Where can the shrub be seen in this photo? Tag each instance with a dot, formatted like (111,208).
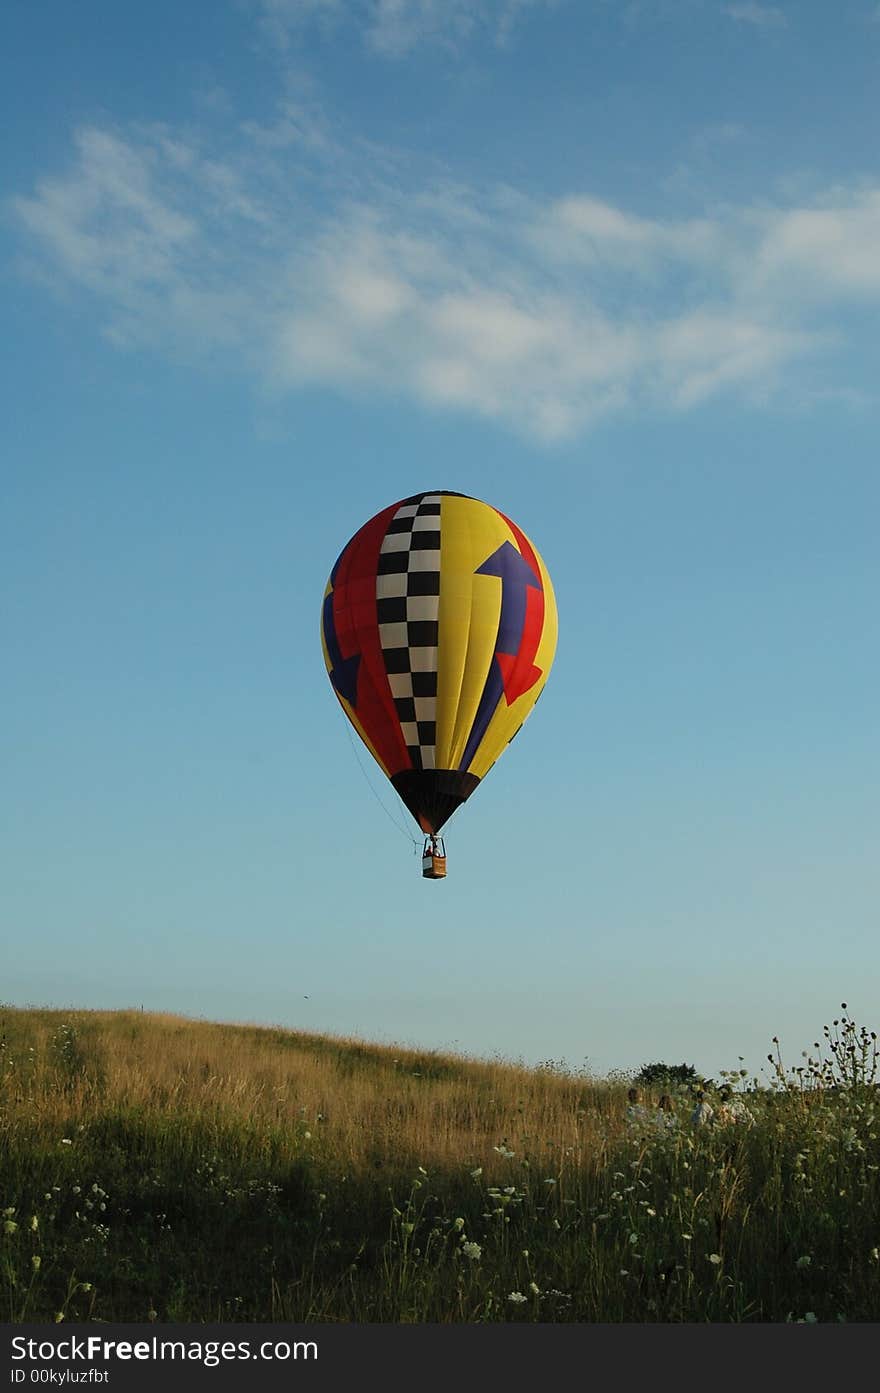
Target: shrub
(662,1075)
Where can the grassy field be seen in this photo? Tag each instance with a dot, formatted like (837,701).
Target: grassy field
(159,1169)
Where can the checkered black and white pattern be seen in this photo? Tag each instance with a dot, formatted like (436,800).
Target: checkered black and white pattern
(408,596)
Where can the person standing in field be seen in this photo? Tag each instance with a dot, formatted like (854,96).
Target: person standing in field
(664,1117)
(703,1112)
(636,1112)
(732,1111)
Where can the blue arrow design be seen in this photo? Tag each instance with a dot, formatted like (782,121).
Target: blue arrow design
(344,671)
(516,576)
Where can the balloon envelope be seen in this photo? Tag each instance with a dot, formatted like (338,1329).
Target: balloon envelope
(439,628)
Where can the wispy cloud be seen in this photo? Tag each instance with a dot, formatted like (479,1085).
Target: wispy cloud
(393,28)
(300,259)
(761,16)
(829,252)
(282,20)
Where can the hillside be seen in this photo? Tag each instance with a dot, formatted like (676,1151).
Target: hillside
(161,1169)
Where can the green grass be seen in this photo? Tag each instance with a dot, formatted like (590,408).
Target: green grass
(153,1168)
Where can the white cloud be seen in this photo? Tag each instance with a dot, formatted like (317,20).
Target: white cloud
(761,16)
(151,228)
(704,352)
(828,251)
(107,226)
(393,28)
(301,262)
(583,229)
(283,18)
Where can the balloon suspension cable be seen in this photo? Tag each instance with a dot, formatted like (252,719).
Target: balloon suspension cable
(399,825)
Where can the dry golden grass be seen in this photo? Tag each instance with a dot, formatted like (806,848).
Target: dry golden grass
(362,1103)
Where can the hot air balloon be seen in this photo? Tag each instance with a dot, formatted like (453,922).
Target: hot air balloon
(438,629)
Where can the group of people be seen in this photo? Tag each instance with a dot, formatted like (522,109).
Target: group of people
(730,1110)
(639,1116)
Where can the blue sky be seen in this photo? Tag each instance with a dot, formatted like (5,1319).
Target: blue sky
(615,268)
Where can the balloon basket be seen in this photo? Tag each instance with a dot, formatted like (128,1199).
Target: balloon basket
(434,859)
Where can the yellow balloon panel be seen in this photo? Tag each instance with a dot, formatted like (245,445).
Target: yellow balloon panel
(497,633)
